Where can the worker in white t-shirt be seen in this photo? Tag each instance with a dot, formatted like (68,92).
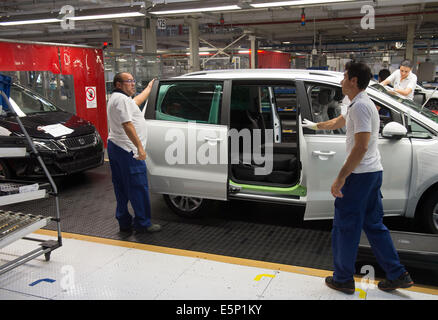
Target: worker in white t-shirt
(402,80)
(127,155)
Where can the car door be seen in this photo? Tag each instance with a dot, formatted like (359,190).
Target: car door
(396,158)
(187,144)
(325,152)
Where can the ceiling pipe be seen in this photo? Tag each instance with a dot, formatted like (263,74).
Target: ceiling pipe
(389,15)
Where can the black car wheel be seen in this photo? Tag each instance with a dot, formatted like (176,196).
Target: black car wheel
(188,207)
(429,212)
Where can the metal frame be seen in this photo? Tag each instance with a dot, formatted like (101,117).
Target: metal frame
(47,246)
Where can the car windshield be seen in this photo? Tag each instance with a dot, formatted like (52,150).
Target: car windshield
(409,103)
(26,102)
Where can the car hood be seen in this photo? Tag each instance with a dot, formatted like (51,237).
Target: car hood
(34,122)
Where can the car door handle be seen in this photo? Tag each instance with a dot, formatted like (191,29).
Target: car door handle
(323,153)
(209,139)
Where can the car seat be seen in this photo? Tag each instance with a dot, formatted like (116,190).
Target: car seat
(320,107)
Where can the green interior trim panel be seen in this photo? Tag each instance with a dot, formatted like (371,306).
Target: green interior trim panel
(214,110)
(297,190)
(161,94)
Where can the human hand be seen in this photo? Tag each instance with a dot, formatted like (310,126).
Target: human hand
(309,124)
(141,154)
(151,83)
(336,188)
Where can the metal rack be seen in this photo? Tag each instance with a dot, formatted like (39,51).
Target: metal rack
(17,225)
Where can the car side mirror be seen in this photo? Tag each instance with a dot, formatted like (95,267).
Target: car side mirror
(394,130)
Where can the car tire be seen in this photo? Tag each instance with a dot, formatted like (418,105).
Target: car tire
(428,212)
(187,207)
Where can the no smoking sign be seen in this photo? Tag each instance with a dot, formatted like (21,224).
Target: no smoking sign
(90,97)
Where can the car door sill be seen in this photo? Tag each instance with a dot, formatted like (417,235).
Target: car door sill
(284,199)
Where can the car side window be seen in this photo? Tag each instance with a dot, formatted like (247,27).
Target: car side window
(385,115)
(325,104)
(418,131)
(189,101)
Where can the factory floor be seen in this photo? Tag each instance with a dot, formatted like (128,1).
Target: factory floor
(92,268)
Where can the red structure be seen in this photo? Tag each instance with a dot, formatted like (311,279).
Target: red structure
(273,60)
(83,63)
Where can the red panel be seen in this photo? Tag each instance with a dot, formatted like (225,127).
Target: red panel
(86,66)
(28,57)
(270,60)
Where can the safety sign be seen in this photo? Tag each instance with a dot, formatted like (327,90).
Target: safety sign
(90,97)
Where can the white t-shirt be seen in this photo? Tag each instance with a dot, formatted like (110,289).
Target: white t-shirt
(362,116)
(121,109)
(409,82)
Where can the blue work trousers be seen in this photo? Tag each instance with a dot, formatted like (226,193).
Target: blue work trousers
(130,182)
(361,208)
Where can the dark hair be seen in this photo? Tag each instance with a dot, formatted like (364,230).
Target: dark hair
(361,71)
(383,74)
(118,78)
(406,63)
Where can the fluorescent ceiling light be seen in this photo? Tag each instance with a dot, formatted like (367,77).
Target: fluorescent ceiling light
(108,16)
(194,10)
(294,3)
(35,21)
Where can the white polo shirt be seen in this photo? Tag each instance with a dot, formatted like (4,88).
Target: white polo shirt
(409,82)
(362,116)
(120,109)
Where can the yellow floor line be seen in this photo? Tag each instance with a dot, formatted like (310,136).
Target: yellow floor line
(219,258)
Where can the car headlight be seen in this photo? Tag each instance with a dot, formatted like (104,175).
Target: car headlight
(98,137)
(45,145)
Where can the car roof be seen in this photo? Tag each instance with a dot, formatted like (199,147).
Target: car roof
(271,74)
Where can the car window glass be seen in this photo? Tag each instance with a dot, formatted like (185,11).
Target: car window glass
(189,101)
(385,115)
(30,103)
(326,104)
(418,131)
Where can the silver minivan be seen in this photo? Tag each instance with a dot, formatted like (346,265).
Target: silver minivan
(237,134)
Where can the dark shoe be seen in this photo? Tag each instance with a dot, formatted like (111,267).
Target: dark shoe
(346,287)
(151,228)
(404,281)
(125,230)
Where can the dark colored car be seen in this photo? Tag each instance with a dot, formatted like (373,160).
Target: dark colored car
(80,148)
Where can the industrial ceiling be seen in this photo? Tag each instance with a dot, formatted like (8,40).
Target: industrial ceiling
(332,26)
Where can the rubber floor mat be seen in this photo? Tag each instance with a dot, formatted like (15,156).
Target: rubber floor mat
(87,207)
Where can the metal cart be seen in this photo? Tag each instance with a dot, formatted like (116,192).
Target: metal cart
(17,225)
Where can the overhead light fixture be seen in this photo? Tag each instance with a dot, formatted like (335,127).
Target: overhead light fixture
(294,3)
(32,21)
(196,10)
(136,10)
(108,16)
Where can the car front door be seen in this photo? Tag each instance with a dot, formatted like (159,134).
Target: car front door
(187,144)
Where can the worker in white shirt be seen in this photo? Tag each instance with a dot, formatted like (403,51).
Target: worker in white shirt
(402,80)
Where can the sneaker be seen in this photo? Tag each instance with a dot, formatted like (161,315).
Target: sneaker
(151,228)
(404,281)
(345,287)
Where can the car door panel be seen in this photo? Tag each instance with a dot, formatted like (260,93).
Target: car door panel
(187,158)
(177,163)
(396,158)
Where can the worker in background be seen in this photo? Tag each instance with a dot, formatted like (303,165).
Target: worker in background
(402,80)
(127,155)
(383,74)
(358,200)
